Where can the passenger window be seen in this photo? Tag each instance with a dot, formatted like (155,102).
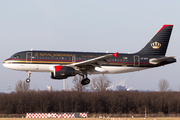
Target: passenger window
(15,57)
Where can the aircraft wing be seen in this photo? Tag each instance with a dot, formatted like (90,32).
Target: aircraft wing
(92,63)
(158,60)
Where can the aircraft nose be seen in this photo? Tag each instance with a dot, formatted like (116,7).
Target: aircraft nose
(8,64)
(4,63)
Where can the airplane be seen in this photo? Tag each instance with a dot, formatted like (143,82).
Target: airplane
(64,64)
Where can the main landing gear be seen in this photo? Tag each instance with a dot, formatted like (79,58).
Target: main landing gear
(29,75)
(85,80)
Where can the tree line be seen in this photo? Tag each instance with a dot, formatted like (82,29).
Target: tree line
(110,102)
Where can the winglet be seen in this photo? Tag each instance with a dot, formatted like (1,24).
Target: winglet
(115,54)
(58,68)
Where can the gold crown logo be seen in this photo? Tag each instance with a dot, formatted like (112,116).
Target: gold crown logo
(155,45)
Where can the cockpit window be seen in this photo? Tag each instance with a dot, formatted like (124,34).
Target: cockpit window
(17,56)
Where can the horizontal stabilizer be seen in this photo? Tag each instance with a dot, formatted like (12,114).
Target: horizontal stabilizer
(158,60)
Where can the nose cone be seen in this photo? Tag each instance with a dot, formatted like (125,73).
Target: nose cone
(9,64)
(4,63)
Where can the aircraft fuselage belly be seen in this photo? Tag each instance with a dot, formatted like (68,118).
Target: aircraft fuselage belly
(49,68)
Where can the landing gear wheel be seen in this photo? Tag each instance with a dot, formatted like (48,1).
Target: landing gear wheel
(27,80)
(85,81)
(29,75)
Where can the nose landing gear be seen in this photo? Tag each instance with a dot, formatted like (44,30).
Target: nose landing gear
(29,75)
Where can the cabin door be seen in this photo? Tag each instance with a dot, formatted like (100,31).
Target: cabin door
(73,58)
(136,60)
(29,57)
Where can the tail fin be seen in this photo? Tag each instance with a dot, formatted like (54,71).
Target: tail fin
(159,43)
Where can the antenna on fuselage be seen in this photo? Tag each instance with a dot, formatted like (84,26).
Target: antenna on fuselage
(31,49)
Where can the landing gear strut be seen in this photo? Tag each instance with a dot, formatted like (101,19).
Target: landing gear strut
(29,75)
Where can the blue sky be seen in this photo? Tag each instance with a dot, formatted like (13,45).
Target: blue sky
(87,25)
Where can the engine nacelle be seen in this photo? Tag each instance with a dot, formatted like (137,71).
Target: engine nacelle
(62,72)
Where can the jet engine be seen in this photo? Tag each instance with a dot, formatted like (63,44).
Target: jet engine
(62,72)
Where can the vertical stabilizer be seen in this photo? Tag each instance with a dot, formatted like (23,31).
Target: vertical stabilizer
(159,43)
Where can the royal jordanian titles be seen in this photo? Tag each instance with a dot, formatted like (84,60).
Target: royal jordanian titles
(62,64)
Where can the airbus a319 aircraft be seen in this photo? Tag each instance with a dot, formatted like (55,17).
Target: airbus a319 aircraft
(62,64)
